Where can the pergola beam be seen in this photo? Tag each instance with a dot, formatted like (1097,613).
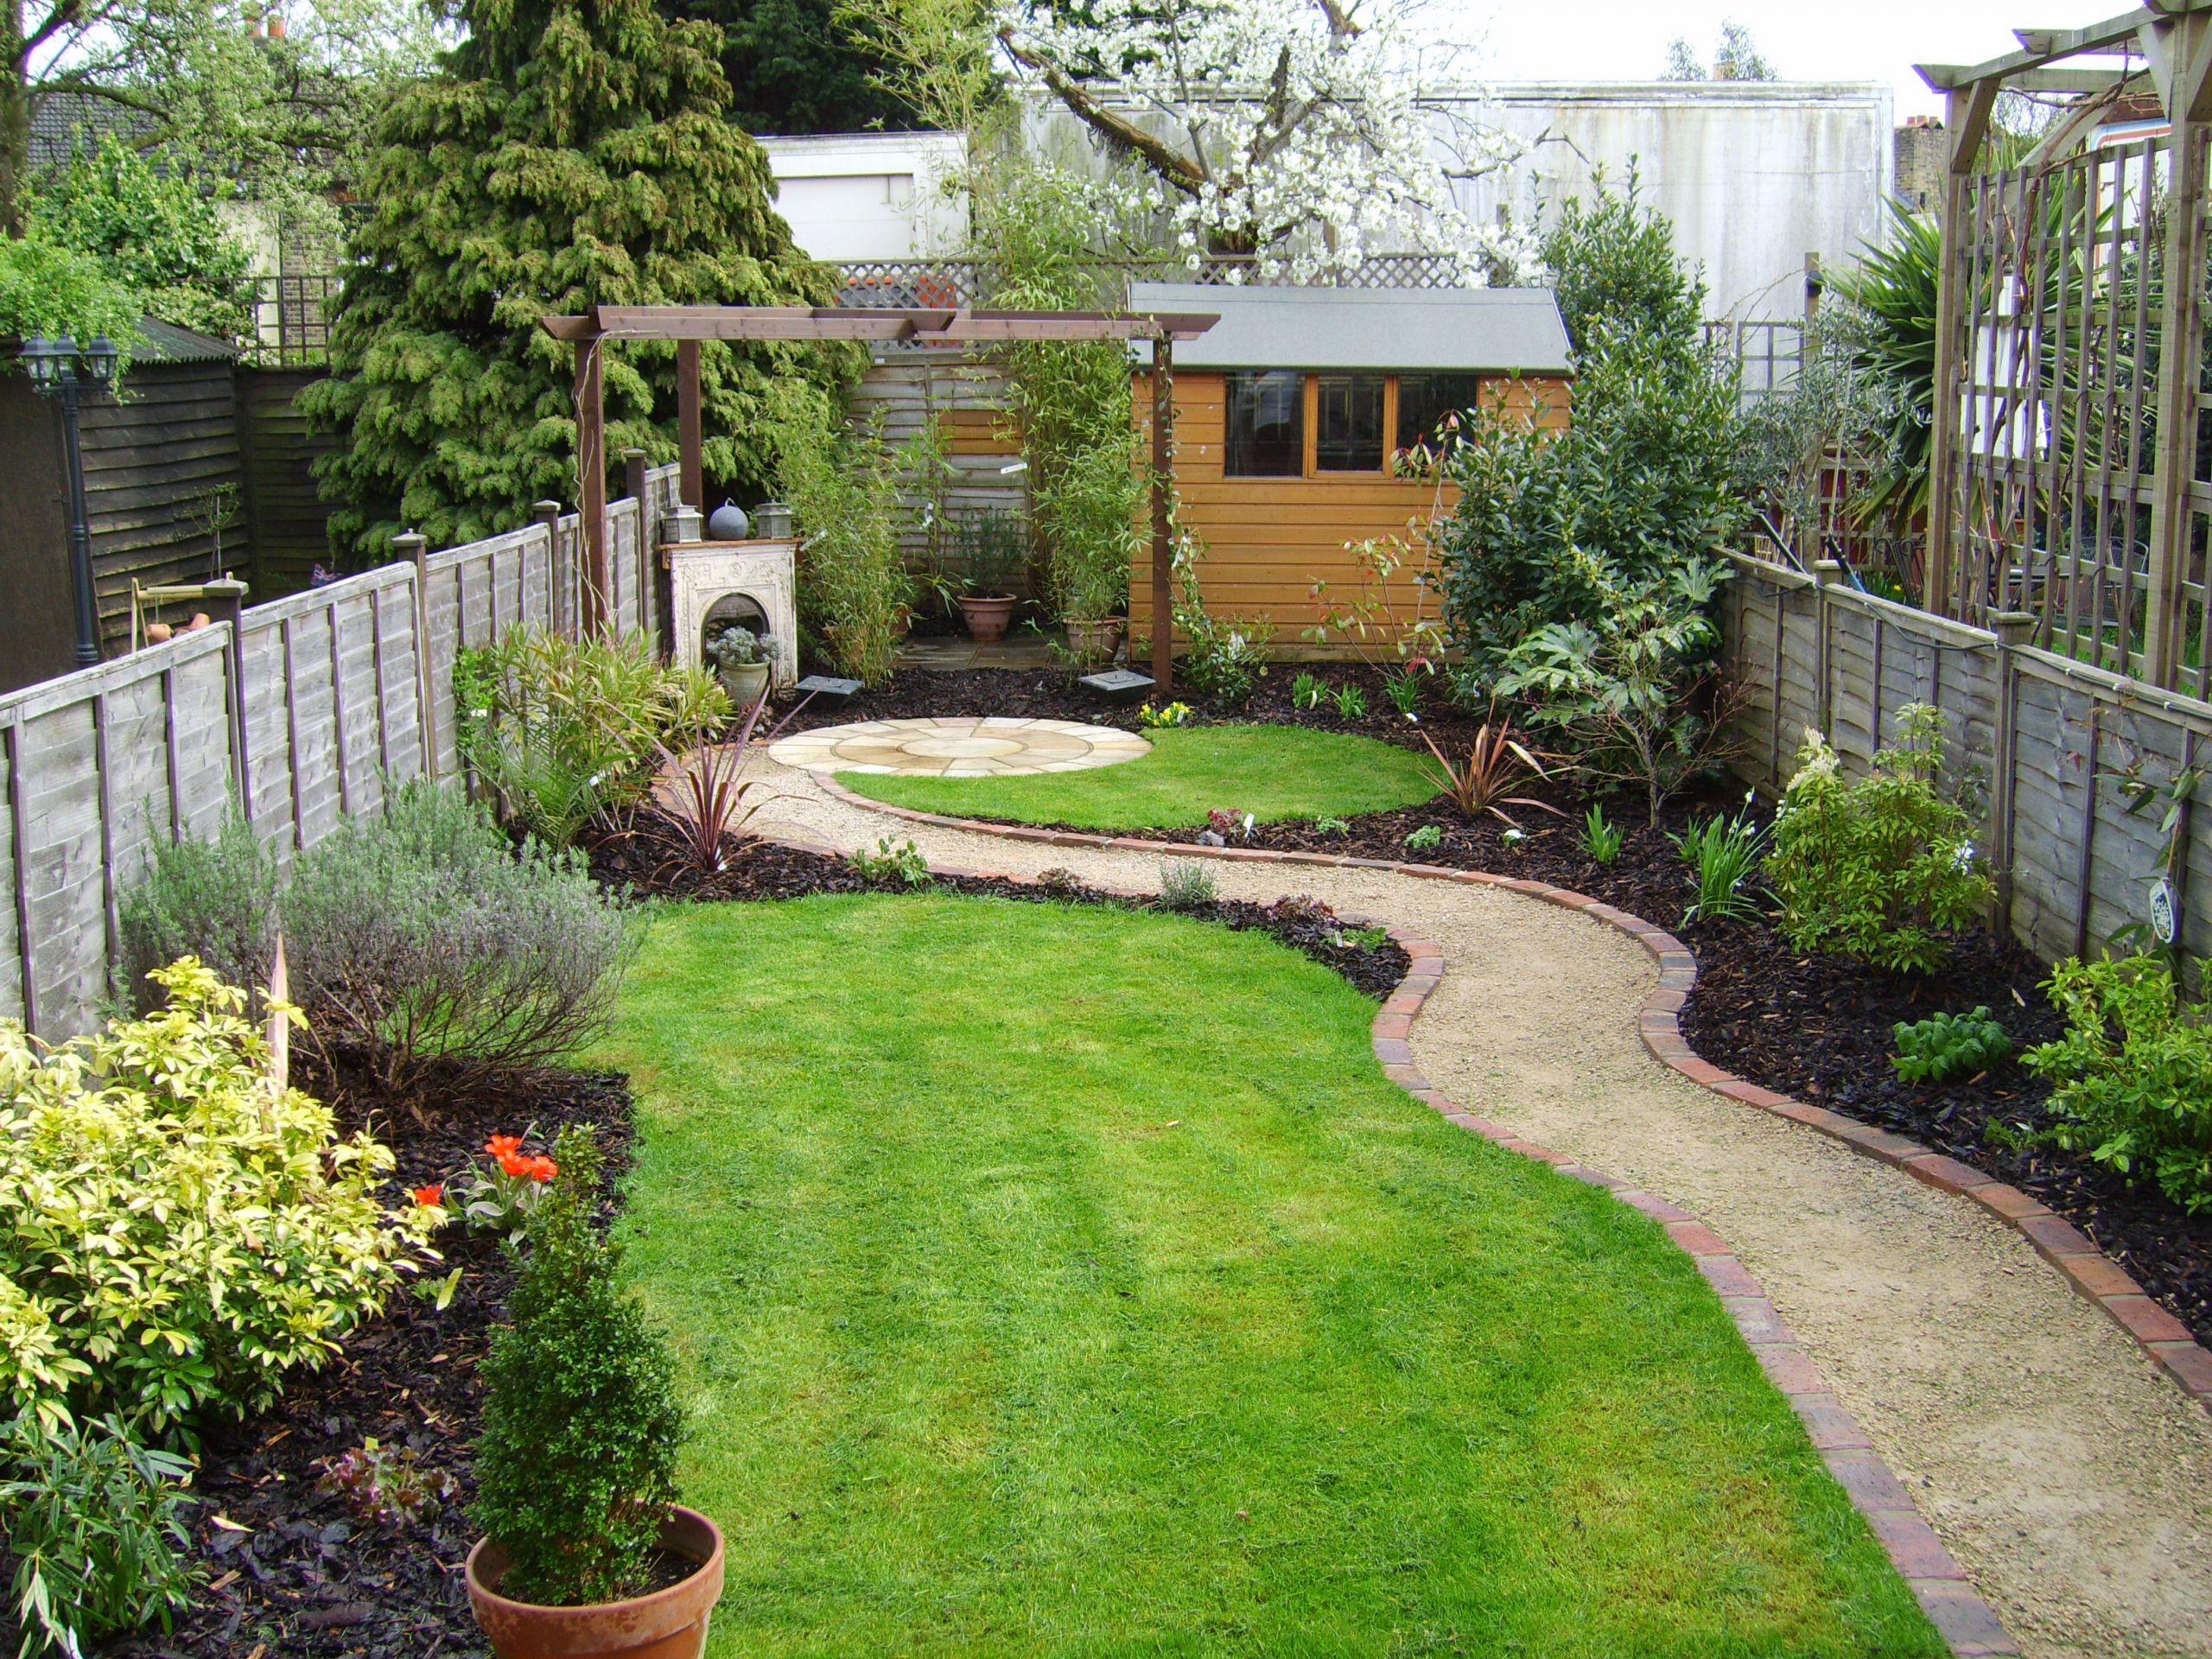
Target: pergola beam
(2041,47)
(689,325)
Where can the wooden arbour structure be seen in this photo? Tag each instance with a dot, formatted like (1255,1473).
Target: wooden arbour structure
(2068,483)
(689,325)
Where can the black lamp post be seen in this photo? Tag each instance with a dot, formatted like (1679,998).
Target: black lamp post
(63,369)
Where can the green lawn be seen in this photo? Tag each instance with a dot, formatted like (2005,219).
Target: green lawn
(1271,771)
(1069,1281)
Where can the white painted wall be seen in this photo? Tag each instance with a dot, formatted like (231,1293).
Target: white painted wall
(1755,175)
(870,195)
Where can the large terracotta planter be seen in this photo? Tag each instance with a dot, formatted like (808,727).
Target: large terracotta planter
(1096,639)
(986,617)
(669,1623)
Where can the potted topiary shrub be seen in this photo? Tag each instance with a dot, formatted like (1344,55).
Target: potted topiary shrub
(743,661)
(586,1553)
(991,551)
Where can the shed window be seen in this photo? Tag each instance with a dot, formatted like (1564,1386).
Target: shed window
(1266,418)
(1425,401)
(1348,423)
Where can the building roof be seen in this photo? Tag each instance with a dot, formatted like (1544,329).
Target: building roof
(166,342)
(65,122)
(1499,330)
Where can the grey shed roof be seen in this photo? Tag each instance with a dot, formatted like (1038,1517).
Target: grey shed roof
(1494,330)
(165,342)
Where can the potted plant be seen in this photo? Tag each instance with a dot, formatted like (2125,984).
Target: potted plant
(743,661)
(585,1553)
(991,549)
(1093,600)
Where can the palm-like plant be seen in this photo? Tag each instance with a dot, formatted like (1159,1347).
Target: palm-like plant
(1497,761)
(1894,290)
(711,801)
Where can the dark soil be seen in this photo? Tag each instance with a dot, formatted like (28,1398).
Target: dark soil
(760,870)
(1818,1028)
(292,1572)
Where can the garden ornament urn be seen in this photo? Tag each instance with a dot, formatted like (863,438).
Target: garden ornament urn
(669,1623)
(728,524)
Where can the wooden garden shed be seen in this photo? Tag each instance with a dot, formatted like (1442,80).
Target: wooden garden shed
(1292,411)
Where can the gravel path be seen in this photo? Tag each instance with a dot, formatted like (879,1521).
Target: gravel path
(2070,1480)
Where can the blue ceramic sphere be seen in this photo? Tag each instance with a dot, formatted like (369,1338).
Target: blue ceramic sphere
(728,524)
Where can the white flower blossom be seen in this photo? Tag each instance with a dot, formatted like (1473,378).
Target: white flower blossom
(1297,130)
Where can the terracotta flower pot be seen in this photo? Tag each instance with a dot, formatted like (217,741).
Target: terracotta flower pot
(669,1623)
(987,618)
(1094,639)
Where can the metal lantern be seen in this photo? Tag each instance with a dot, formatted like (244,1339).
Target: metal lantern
(41,360)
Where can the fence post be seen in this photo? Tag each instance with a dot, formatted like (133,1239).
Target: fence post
(224,603)
(1828,573)
(416,551)
(634,481)
(2013,629)
(559,611)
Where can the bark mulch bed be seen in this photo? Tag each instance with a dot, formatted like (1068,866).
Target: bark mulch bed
(290,1571)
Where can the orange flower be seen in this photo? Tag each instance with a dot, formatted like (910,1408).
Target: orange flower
(543,1169)
(504,1147)
(430,1195)
(513,1163)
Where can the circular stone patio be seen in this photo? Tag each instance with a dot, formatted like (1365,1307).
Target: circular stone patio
(966,747)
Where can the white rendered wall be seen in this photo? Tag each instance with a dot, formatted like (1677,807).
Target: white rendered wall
(1755,176)
(870,195)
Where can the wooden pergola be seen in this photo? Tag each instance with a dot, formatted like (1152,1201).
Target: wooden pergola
(2033,260)
(688,325)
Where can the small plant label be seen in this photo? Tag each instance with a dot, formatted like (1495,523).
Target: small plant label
(2163,921)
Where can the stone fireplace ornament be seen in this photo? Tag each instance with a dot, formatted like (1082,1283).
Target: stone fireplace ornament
(750,581)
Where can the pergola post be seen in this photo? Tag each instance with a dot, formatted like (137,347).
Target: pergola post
(1163,509)
(591,486)
(2180,51)
(1966,119)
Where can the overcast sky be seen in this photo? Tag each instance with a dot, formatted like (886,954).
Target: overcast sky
(1856,40)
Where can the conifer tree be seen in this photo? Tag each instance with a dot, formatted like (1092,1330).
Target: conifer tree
(569,153)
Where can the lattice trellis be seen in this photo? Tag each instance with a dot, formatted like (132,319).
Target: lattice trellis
(2071,478)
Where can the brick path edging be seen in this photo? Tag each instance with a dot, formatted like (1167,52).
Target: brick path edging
(2092,1275)
(1960,1615)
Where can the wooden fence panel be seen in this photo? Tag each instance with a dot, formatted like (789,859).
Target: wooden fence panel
(324,690)
(2045,743)
(90,760)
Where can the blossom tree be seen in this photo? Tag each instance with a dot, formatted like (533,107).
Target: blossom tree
(1301,133)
